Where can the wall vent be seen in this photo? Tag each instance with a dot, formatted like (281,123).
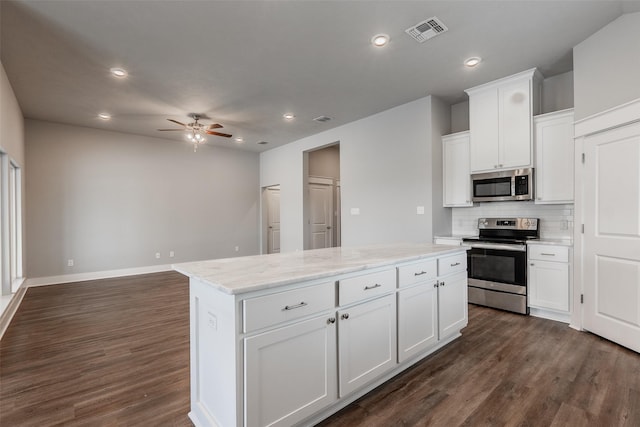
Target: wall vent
(426,29)
(322,119)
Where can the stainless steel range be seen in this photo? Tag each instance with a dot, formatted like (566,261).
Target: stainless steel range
(497,262)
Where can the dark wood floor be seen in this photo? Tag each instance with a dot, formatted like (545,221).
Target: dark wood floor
(115,352)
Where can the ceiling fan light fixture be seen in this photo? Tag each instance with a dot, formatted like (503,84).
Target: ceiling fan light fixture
(472,62)
(380,40)
(118,72)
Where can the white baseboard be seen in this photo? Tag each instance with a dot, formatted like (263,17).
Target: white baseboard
(10,309)
(83,277)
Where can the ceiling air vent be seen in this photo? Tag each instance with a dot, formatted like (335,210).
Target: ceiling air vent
(427,29)
(262,143)
(322,119)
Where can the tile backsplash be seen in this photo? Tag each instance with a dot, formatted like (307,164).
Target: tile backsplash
(556,221)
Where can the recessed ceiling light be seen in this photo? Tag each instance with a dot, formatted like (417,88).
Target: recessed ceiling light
(104,116)
(119,72)
(239,139)
(380,40)
(472,62)
(288,116)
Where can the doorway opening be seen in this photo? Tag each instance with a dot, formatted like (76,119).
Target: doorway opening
(322,201)
(271,219)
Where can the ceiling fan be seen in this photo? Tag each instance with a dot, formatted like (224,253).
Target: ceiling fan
(196,130)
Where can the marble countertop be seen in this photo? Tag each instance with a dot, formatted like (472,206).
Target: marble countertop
(252,273)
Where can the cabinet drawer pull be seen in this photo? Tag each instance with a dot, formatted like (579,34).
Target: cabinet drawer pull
(345,316)
(377,285)
(331,320)
(420,274)
(545,254)
(292,307)
(455,264)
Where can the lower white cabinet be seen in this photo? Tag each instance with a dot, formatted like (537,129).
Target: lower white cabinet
(290,372)
(452,304)
(366,342)
(294,354)
(549,281)
(417,319)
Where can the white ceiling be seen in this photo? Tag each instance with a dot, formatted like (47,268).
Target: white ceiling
(245,63)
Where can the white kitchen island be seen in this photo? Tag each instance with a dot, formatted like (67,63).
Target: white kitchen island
(288,339)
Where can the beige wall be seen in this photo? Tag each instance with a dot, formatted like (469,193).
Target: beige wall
(110,201)
(607,66)
(325,162)
(387,166)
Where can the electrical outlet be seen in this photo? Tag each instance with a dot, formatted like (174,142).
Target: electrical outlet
(420,210)
(70,263)
(171,254)
(157,255)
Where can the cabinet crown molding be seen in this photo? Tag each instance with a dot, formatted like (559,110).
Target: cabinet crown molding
(533,74)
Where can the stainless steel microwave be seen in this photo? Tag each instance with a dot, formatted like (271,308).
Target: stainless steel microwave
(516,184)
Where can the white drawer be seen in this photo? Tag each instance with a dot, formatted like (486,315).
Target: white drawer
(268,310)
(366,286)
(452,264)
(549,253)
(417,272)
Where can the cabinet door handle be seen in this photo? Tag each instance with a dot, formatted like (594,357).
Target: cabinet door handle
(435,285)
(377,285)
(331,320)
(441,283)
(542,253)
(293,307)
(420,274)
(455,264)
(532,265)
(345,316)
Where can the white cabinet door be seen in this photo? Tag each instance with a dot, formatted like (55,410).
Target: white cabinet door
(483,122)
(417,319)
(554,157)
(452,304)
(514,101)
(456,170)
(549,285)
(366,342)
(500,121)
(290,372)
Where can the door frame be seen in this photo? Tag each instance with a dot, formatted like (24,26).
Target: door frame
(264,218)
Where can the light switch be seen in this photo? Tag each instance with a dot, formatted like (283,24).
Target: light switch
(355,211)
(420,210)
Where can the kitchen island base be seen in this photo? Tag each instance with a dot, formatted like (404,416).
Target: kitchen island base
(295,351)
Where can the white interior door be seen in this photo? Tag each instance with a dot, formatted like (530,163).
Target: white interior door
(611,262)
(273,220)
(320,215)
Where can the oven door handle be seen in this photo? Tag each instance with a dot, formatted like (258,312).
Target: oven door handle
(517,248)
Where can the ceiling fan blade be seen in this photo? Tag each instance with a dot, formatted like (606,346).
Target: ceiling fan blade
(226,135)
(177,122)
(215,126)
(164,130)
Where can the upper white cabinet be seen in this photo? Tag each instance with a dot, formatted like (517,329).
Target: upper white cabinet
(500,120)
(456,172)
(554,157)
